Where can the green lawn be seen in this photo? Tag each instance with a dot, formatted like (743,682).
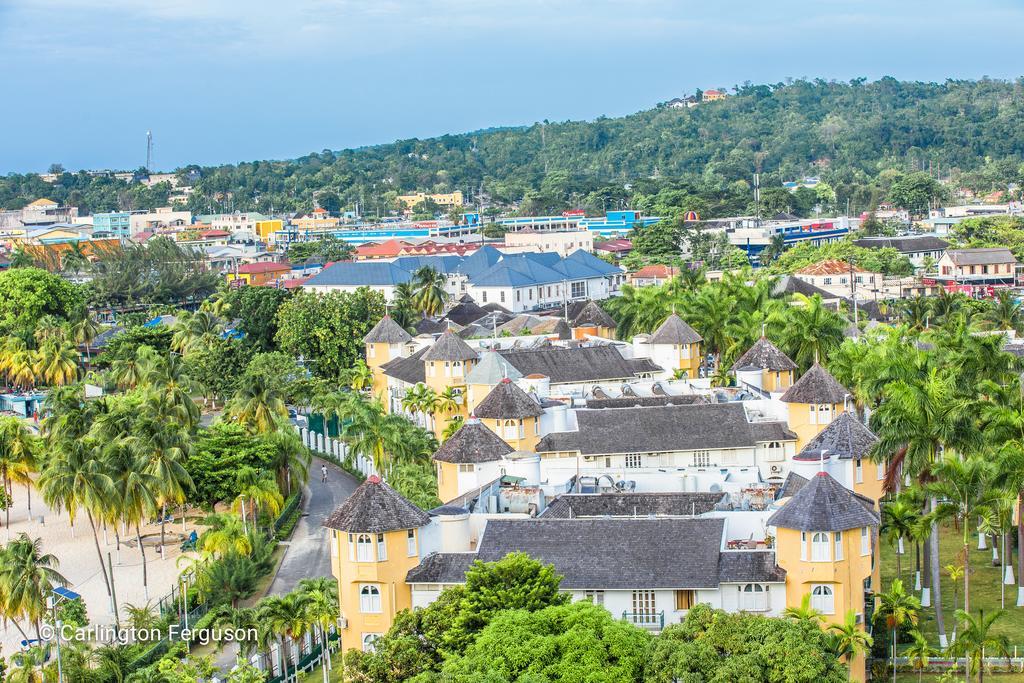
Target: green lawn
(985,586)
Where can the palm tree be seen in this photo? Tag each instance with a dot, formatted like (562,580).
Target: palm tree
(256,492)
(380,438)
(284,616)
(84,331)
(915,312)
(976,637)
(898,520)
(56,363)
(850,638)
(918,418)
(919,653)
(809,331)
(128,373)
(195,332)
(639,309)
(257,405)
(359,376)
(243,620)
(804,614)
(710,312)
(164,447)
(964,486)
(421,399)
(291,459)
(431,295)
(322,610)
(17,457)
(30,665)
(454,425)
(1005,314)
(75,478)
(168,378)
(27,578)
(226,535)
(137,492)
(898,609)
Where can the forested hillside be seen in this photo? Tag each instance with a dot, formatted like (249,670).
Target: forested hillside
(859,137)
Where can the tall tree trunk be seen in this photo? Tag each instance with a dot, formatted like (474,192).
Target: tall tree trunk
(142,550)
(99,554)
(1020,549)
(933,551)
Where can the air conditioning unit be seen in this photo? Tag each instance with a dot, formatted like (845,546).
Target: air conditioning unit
(776,469)
(342,623)
(859,619)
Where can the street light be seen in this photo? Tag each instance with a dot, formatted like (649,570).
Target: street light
(57,596)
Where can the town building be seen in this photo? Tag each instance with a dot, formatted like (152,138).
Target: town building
(920,249)
(977,268)
(260,274)
(713,95)
(653,276)
(441,199)
(561,243)
(842,279)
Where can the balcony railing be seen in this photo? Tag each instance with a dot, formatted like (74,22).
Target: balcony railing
(651,620)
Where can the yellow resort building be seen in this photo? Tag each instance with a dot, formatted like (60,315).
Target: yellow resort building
(374,543)
(825,541)
(593,321)
(384,343)
(472,456)
(509,412)
(766,367)
(446,365)
(441,199)
(676,346)
(814,401)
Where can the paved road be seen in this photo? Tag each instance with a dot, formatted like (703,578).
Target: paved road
(309,552)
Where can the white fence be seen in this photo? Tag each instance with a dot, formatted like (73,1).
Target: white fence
(335,449)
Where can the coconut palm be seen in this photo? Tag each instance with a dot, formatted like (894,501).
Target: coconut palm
(421,399)
(919,653)
(709,312)
(128,373)
(168,377)
(431,295)
(380,438)
(897,608)
(196,332)
(977,640)
(137,491)
(639,309)
(56,362)
(226,535)
(84,331)
(27,578)
(29,665)
(17,457)
(244,621)
(809,331)
(164,447)
(359,377)
(454,425)
(73,479)
(284,616)
(291,459)
(257,492)
(1006,313)
(257,405)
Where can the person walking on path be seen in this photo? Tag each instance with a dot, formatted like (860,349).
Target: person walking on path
(323,474)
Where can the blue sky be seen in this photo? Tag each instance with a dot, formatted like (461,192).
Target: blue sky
(221,81)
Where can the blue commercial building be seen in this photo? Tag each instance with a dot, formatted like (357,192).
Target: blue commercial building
(112,224)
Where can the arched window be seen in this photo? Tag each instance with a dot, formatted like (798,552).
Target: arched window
(823,600)
(754,598)
(370,642)
(369,599)
(364,548)
(819,547)
(509,430)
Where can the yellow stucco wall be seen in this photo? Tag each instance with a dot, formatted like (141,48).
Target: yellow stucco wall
(801,424)
(447,481)
(529,439)
(775,381)
(388,576)
(439,377)
(376,356)
(845,577)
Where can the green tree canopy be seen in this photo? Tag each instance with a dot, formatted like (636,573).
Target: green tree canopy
(27,294)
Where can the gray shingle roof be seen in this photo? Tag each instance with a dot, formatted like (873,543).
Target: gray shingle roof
(794,482)
(450,347)
(387,331)
(409,369)
(823,504)
(846,437)
(675,331)
(765,355)
(631,401)
(675,504)
(787,284)
(506,401)
(565,365)
(980,256)
(374,507)
(593,315)
(817,385)
(658,429)
(756,566)
(441,568)
(904,245)
(472,443)
(614,553)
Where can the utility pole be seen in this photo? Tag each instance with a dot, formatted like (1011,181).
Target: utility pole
(149,150)
(757,199)
(853,295)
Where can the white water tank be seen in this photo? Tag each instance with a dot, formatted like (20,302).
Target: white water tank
(523,464)
(537,384)
(750,375)
(453,525)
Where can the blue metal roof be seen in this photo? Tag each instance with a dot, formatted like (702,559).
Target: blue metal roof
(360,273)
(517,271)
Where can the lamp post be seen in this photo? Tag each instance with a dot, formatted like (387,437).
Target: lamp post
(57,596)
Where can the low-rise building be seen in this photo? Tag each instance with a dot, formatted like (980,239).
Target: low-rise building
(441,199)
(651,276)
(259,274)
(919,249)
(996,266)
(842,279)
(561,243)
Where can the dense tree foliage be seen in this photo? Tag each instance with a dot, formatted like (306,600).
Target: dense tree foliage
(219,454)
(861,137)
(27,294)
(256,308)
(157,272)
(327,330)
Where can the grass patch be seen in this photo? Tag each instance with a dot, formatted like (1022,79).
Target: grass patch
(985,587)
(934,678)
(317,674)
